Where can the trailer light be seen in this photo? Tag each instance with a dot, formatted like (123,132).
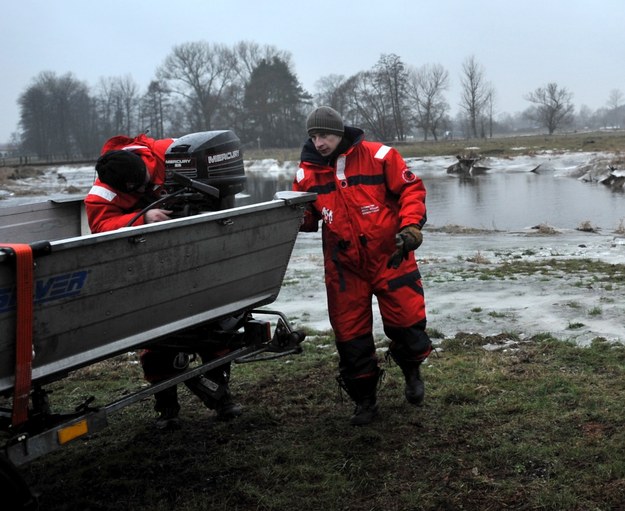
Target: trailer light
(257,331)
(74,431)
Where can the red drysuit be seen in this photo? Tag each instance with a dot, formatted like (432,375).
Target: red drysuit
(364,197)
(109,209)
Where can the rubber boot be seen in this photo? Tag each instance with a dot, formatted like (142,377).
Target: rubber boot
(409,347)
(212,388)
(227,409)
(167,407)
(414,389)
(363,393)
(366,410)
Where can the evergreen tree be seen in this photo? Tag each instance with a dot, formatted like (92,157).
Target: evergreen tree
(274,103)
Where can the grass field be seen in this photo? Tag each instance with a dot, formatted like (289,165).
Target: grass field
(529,425)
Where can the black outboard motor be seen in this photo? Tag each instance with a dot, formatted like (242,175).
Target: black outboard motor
(209,157)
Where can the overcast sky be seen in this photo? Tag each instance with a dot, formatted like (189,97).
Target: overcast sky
(521,44)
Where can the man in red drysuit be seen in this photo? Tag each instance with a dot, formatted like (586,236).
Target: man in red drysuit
(373,208)
(131,174)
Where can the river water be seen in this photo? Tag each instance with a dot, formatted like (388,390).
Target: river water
(518,201)
(508,197)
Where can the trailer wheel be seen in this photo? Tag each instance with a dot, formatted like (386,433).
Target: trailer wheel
(14,490)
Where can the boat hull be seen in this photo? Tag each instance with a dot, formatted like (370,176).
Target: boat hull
(100,295)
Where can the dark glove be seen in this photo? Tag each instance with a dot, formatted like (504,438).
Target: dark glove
(407,240)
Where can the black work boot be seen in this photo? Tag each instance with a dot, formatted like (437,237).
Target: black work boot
(409,347)
(215,396)
(363,393)
(365,412)
(415,389)
(227,409)
(168,419)
(167,408)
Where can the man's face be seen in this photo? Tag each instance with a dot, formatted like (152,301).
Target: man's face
(139,188)
(325,143)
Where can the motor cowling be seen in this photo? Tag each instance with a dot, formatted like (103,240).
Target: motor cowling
(214,158)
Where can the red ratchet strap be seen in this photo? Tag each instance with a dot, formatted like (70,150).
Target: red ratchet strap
(24,330)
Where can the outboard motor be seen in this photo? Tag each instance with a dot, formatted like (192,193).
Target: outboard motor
(211,158)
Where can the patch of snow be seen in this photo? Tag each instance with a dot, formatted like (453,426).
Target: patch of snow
(271,167)
(523,305)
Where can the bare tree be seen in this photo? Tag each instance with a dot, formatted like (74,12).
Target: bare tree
(105,101)
(425,89)
(375,100)
(128,92)
(474,94)
(489,112)
(154,107)
(331,91)
(392,78)
(200,73)
(249,54)
(368,107)
(615,102)
(586,117)
(117,102)
(552,106)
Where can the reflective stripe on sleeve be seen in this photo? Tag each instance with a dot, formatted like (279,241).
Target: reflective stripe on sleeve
(105,193)
(382,152)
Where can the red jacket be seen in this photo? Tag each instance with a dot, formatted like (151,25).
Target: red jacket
(364,199)
(109,209)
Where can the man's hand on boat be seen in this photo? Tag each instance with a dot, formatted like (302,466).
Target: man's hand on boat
(157,215)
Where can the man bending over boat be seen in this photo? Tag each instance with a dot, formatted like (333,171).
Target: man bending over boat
(131,174)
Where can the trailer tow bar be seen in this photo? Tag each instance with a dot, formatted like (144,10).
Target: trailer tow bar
(285,340)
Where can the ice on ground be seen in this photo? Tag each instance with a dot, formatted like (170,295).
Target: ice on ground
(523,305)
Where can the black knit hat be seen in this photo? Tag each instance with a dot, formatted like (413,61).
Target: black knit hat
(324,120)
(122,170)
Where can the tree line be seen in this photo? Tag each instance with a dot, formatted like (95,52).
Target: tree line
(253,90)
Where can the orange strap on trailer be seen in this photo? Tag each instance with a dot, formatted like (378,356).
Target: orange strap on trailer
(24,330)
